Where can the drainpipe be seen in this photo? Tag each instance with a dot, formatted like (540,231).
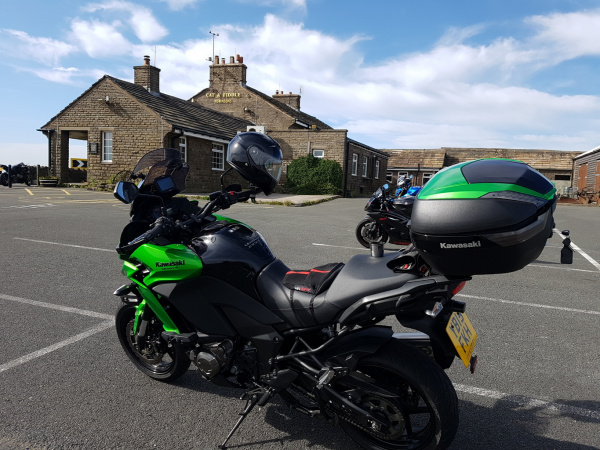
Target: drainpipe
(346,153)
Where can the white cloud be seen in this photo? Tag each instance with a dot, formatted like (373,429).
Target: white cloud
(19,44)
(141,20)
(569,35)
(178,5)
(99,39)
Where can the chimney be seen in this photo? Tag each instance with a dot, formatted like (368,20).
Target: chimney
(223,73)
(147,76)
(290,99)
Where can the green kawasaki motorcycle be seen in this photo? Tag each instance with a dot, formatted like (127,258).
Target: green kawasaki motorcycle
(206,289)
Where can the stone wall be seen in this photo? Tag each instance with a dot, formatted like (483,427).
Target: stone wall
(136,130)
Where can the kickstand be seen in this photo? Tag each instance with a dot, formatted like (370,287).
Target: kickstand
(250,404)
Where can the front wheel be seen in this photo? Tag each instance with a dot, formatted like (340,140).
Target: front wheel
(421,414)
(150,354)
(4,179)
(368,232)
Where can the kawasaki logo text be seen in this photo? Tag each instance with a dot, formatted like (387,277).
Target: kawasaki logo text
(181,262)
(461,245)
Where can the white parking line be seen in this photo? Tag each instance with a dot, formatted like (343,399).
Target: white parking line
(65,245)
(594,263)
(527,402)
(108,322)
(535,305)
(68,309)
(78,337)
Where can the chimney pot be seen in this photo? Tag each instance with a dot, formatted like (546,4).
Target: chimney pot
(217,59)
(146,60)
(231,60)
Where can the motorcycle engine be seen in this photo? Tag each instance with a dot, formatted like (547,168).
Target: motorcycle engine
(212,358)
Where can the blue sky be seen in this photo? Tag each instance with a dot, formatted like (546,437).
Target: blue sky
(395,73)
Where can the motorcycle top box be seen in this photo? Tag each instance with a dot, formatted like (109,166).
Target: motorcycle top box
(484,216)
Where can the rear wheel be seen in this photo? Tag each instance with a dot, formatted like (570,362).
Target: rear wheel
(422,413)
(368,232)
(150,354)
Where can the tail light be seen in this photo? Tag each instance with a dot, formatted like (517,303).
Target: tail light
(458,288)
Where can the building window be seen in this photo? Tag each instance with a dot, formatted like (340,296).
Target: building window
(365,164)
(218,156)
(354,164)
(183,148)
(563,177)
(107,146)
(427,177)
(319,153)
(377,169)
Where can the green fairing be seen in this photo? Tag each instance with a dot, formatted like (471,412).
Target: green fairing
(138,316)
(166,263)
(174,262)
(444,186)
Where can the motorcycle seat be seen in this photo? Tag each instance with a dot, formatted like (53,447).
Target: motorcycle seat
(361,276)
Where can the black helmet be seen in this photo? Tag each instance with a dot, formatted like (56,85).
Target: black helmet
(256,157)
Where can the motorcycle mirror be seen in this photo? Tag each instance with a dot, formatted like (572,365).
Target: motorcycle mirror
(126,191)
(386,186)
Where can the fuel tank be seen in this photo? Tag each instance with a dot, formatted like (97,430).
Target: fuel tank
(232,252)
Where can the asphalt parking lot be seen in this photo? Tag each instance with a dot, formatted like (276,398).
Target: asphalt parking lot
(66,383)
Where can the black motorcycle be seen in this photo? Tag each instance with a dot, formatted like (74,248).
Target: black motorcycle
(18,174)
(206,289)
(387,219)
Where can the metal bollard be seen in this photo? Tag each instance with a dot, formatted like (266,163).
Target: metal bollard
(566,253)
(376,249)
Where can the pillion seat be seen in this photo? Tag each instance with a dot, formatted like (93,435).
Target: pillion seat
(362,275)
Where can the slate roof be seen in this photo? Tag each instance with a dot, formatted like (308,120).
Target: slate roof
(448,156)
(425,159)
(178,112)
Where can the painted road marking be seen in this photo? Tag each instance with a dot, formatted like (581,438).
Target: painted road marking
(44,351)
(534,305)
(107,323)
(45,205)
(65,245)
(28,191)
(526,402)
(594,263)
(68,309)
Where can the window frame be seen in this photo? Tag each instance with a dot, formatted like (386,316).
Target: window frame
(365,168)
(183,148)
(105,141)
(318,150)
(221,159)
(354,164)
(376,169)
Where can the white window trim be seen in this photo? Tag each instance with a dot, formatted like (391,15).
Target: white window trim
(317,150)
(220,150)
(365,166)
(183,147)
(104,159)
(377,169)
(354,164)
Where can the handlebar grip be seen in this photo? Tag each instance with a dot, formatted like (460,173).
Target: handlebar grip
(159,227)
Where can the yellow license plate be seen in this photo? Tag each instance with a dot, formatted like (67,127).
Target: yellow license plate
(463,336)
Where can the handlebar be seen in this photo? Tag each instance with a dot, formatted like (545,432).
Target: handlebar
(164,225)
